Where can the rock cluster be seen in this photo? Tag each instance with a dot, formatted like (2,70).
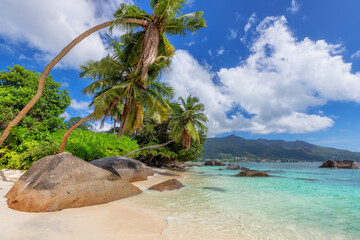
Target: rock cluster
(214,163)
(350,164)
(65,181)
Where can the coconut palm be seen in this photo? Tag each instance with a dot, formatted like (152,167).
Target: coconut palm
(117,72)
(186,120)
(117,88)
(164,20)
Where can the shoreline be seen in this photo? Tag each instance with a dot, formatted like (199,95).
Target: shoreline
(121,219)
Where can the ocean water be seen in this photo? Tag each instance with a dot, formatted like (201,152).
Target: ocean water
(301,201)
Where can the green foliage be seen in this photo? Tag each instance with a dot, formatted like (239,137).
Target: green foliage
(18,86)
(40,132)
(153,134)
(84,144)
(88,145)
(27,141)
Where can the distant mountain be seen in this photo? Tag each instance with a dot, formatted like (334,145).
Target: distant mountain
(234,146)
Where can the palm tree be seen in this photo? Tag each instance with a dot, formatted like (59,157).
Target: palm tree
(117,89)
(186,121)
(117,74)
(164,20)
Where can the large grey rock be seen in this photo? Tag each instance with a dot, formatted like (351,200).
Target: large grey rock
(350,164)
(128,169)
(65,181)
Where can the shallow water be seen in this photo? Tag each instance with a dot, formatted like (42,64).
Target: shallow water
(300,202)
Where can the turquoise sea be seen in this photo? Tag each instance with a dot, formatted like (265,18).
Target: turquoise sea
(301,201)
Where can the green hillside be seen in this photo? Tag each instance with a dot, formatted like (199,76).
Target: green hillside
(233,146)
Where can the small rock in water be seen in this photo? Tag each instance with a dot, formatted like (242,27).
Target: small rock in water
(209,163)
(171,184)
(233,167)
(215,189)
(251,173)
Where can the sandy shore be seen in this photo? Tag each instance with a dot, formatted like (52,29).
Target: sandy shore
(120,219)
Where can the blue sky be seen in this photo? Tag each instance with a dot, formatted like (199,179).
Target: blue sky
(274,69)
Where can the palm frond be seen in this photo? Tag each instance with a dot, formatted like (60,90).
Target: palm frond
(126,11)
(183,24)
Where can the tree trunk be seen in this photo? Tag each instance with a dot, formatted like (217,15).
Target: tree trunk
(149,49)
(150,147)
(124,116)
(68,132)
(43,76)
(114,126)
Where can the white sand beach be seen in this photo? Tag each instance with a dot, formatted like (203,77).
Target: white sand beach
(120,219)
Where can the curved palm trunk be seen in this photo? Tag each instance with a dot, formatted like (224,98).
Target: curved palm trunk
(43,76)
(68,132)
(124,116)
(150,50)
(150,147)
(114,126)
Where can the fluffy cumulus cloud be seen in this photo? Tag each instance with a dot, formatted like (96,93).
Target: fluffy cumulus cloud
(274,88)
(79,105)
(48,26)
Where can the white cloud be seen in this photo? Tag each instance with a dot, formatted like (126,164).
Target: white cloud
(189,44)
(210,52)
(81,105)
(65,115)
(220,51)
(65,84)
(274,88)
(48,26)
(107,126)
(294,8)
(251,21)
(232,35)
(356,55)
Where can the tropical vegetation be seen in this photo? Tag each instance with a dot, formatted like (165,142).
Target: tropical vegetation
(125,89)
(166,19)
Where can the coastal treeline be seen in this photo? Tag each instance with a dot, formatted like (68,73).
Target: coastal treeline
(126,89)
